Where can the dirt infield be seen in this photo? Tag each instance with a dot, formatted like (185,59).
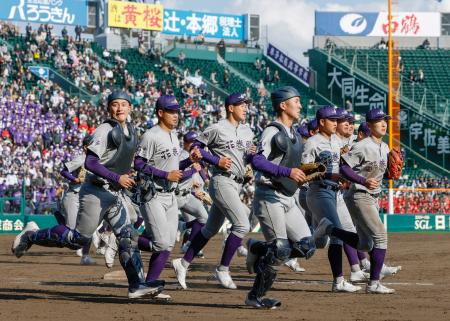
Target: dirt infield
(49,284)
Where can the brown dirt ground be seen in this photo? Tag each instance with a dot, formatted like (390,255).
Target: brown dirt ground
(49,284)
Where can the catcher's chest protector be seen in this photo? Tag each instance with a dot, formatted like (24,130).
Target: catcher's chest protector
(125,145)
(290,151)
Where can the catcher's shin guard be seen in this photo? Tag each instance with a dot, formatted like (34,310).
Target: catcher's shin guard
(59,236)
(129,255)
(303,248)
(265,276)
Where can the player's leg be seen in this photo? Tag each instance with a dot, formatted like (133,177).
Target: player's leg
(322,203)
(163,231)
(264,257)
(211,228)
(356,274)
(365,208)
(194,207)
(225,194)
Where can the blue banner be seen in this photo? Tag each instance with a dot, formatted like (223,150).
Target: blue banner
(211,25)
(66,12)
(41,72)
(298,71)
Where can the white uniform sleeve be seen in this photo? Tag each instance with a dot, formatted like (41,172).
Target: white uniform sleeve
(99,141)
(208,135)
(355,156)
(265,144)
(309,152)
(147,146)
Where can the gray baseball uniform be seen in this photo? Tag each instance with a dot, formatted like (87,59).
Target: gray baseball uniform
(107,201)
(188,203)
(161,149)
(278,214)
(224,139)
(321,196)
(70,201)
(368,159)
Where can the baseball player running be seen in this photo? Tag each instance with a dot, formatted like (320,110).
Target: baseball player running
(284,227)
(75,172)
(365,165)
(109,157)
(321,196)
(230,142)
(344,133)
(159,157)
(189,202)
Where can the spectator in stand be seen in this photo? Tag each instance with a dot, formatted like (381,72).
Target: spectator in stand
(212,77)
(382,44)
(426,44)
(257,64)
(276,77)
(348,105)
(267,76)
(78,31)
(411,75)
(28,31)
(420,77)
(226,79)
(181,57)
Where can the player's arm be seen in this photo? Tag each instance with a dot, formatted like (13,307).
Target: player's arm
(140,164)
(92,164)
(349,161)
(68,175)
(206,156)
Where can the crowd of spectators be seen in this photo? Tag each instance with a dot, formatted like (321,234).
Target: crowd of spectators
(42,126)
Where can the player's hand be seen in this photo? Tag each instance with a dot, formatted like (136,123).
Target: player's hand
(195,155)
(371,183)
(175,175)
(126,181)
(196,184)
(197,167)
(297,175)
(252,149)
(200,194)
(344,150)
(77,180)
(225,163)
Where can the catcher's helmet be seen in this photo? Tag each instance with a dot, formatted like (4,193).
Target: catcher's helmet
(283,93)
(118,94)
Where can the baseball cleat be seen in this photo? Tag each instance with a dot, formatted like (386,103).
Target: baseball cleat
(180,272)
(21,243)
(378,288)
(262,303)
(321,229)
(79,252)
(146,288)
(225,279)
(162,297)
(359,277)
(87,260)
(389,270)
(242,251)
(200,254)
(251,257)
(294,265)
(344,286)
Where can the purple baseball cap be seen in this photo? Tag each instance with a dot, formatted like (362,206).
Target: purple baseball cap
(190,137)
(236,99)
(350,117)
(313,124)
(303,131)
(327,112)
(167,102)
(364,128)
(342,113)
(376,114)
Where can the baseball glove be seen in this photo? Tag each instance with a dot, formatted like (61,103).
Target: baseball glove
(313,171)
(248,174)
(207,199)
(395,164)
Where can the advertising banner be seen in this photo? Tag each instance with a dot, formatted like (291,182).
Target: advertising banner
(135,15)
(211,25)
(66,12)
(298,71)
(404,24)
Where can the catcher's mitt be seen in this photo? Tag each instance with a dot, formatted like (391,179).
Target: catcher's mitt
(206,199)
(395,164)
(313,171)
